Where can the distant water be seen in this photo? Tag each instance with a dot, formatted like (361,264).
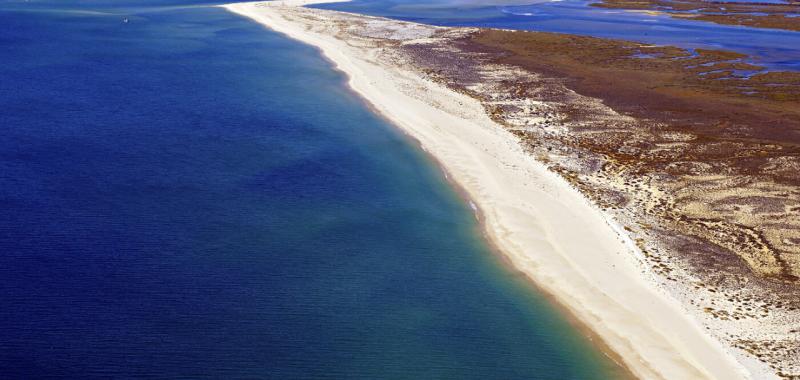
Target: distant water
(775,49)
(188,195)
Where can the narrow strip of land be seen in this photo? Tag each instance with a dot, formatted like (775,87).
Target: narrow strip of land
(548,229)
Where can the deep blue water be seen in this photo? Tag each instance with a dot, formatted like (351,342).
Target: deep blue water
(775,49)
(188,195)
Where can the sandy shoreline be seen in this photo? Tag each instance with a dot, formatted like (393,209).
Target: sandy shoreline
(547,229)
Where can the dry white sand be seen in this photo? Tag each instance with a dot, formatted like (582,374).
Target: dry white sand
(549,230)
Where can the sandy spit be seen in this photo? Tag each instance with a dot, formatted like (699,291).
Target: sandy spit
(546,228)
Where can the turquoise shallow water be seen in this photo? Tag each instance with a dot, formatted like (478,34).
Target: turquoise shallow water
(188,195)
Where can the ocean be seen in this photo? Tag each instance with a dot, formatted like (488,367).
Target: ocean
(186,194)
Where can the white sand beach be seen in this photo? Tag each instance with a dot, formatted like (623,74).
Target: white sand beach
(546,228)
